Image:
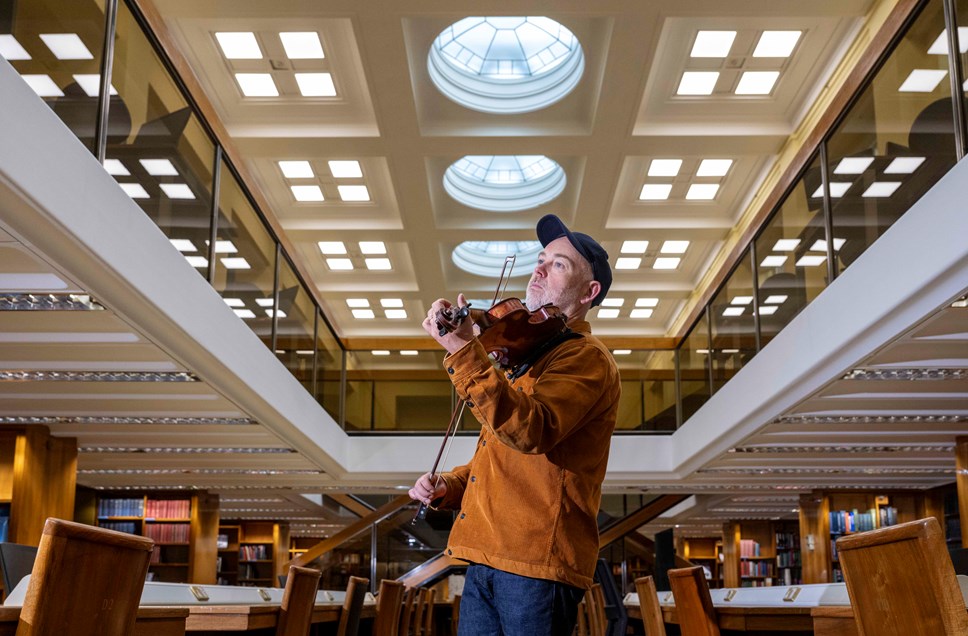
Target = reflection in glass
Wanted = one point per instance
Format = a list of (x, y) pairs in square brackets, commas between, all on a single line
[(648, 400), (795, 231), (694, 368), (57, 46), (733, 324), (350, 558), (157, 149), (329, 368), (245, 263), (895, 142), (294, 326), (401, 546)]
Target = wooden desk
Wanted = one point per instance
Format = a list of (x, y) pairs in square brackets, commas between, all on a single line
[(151, 621), (789, 620), (834, 621), (206, 619)]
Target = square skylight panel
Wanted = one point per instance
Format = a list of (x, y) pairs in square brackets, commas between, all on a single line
[(646, 302), (733, 311), (613, 302), (134, 190), (239, 45), (115, 168), (621, 352), (332, 247), (635, 247), (272, 312), (904, 165), (43, 85), (197, 261), (607, 312), (353, 192), (236, 262), (674, 247), (777, 299), (396, 314), (364, 314), (316, 84), (741, 300), (776, 43), (881, 189), (159, 167), (768, 310), (339, 264), (296, 169), (302, 45), (234, 302), (11, 50), (664, 167), (409, 352), (702, 191), (265, 302), (712, 44), (257, 84), (183, 245), (90, 83), (345, 169), (224, 247), (773, 261), (641, 313), (922, 81), (785, 245), (714, 167), (177, 191), (811, 260), (357, 302), (666, 262), (66, 46), (373, 247), (378, 263), (697, 83), (940, 45), (837, 190), (655, 192), (307, 193), (627, 262), (391, 302), (380, 352), (853, 165), (244, 313), (757, 82), (821, 245)]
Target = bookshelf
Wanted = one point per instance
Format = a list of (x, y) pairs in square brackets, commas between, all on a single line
[(952, 520), (851, 513), (252, 553), (705, 552), (757, 554), (227, 560), (789, 570)]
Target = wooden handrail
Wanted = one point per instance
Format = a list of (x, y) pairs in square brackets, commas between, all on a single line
[(639, 518), (429, 569)]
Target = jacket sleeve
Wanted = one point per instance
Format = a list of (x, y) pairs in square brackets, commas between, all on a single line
[(456, 481), (575, 382)]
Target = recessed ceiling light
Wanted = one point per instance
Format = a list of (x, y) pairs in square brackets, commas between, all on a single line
[(627, 262), (777, 299), (183, 245), (409, 352), (239, 45), (197, 261), (257, 84), (224, 247), (646, 302), (378, 263), (357, 302), (345, 169), (621, 352), (674, 247), (302, 45), (853, 165), (697, 83), (236, 262), (296, 169), (837, 190), (741, 300), (66, 46), (43, 85), (714, 167), (786, 245), (391, 302), (613, 302), (339, 264), (373, 247), (712, 44), (353, 192), (307, 193), (635, 247), (90, 83), (702, 191), (655, 191), (364, 314), (316, 84), (332, 247), (757, 82), (768, 310), (640, 313), (904, 165), (881, 189), (664, 167), (380, 352), (134, 190), (940, 45), (396, 314), (265, 302), (116, 168), (811, 260), (666, 262), (821, 245), (773, 261), (11, 50), (244, 313), (776, 43), (234, 302), (159, 167), (733, 311), (922, 80), (272, 312), (607, 313), (177, 191)]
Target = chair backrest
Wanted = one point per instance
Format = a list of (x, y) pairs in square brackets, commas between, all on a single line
[(87, 578), (649, 606), (388, 605), (581, 629), (901, 581), (349, 618), (418, 611), (406, 612), (427, 628), (455, 614), (694, 606), (595, 600), (16, 561), (298, 599)]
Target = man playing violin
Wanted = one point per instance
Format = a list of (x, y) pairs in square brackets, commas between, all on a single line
[(529, 497)]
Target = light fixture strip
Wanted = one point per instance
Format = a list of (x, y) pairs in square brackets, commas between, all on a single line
[(153, 421), (96, 376), (185, 450), (907, 374), (48, 302)]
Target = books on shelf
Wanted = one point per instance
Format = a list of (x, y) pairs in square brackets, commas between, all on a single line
[(121, 526), (168, 509), (168, 532), (222, 542), (254, 553), (755, 568), (749, 548), (121, 507), (847, 521)]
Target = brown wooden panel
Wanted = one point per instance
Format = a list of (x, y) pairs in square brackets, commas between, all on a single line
[(732, 531), (961, 472), (815, 531), (203, 538)]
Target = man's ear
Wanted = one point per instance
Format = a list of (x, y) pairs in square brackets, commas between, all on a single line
[(593, 288)]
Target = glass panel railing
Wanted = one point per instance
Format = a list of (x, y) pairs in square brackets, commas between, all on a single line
[(329, 369), (401, 545), (648, 402), (165, 161), (786, 282), (295, 323), (733, 324), (694, 387), (57, 47), (350, 558)]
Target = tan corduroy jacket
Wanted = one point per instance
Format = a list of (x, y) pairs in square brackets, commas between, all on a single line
[(529, 497)]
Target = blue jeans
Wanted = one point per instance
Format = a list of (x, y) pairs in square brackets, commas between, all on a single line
[(498, 603)]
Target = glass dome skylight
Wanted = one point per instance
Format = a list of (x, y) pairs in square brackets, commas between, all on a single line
[(486, 258), (506, 65), (504, 183)]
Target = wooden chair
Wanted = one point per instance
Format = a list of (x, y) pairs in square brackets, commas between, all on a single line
[(901, 581), (649, 606), (581, 627), (454, 614), (406, 612), (298, 599), (418, 612), (349, 618), (595, 600), (694, 606), (388, 605), (86, 581), (427, 628)]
